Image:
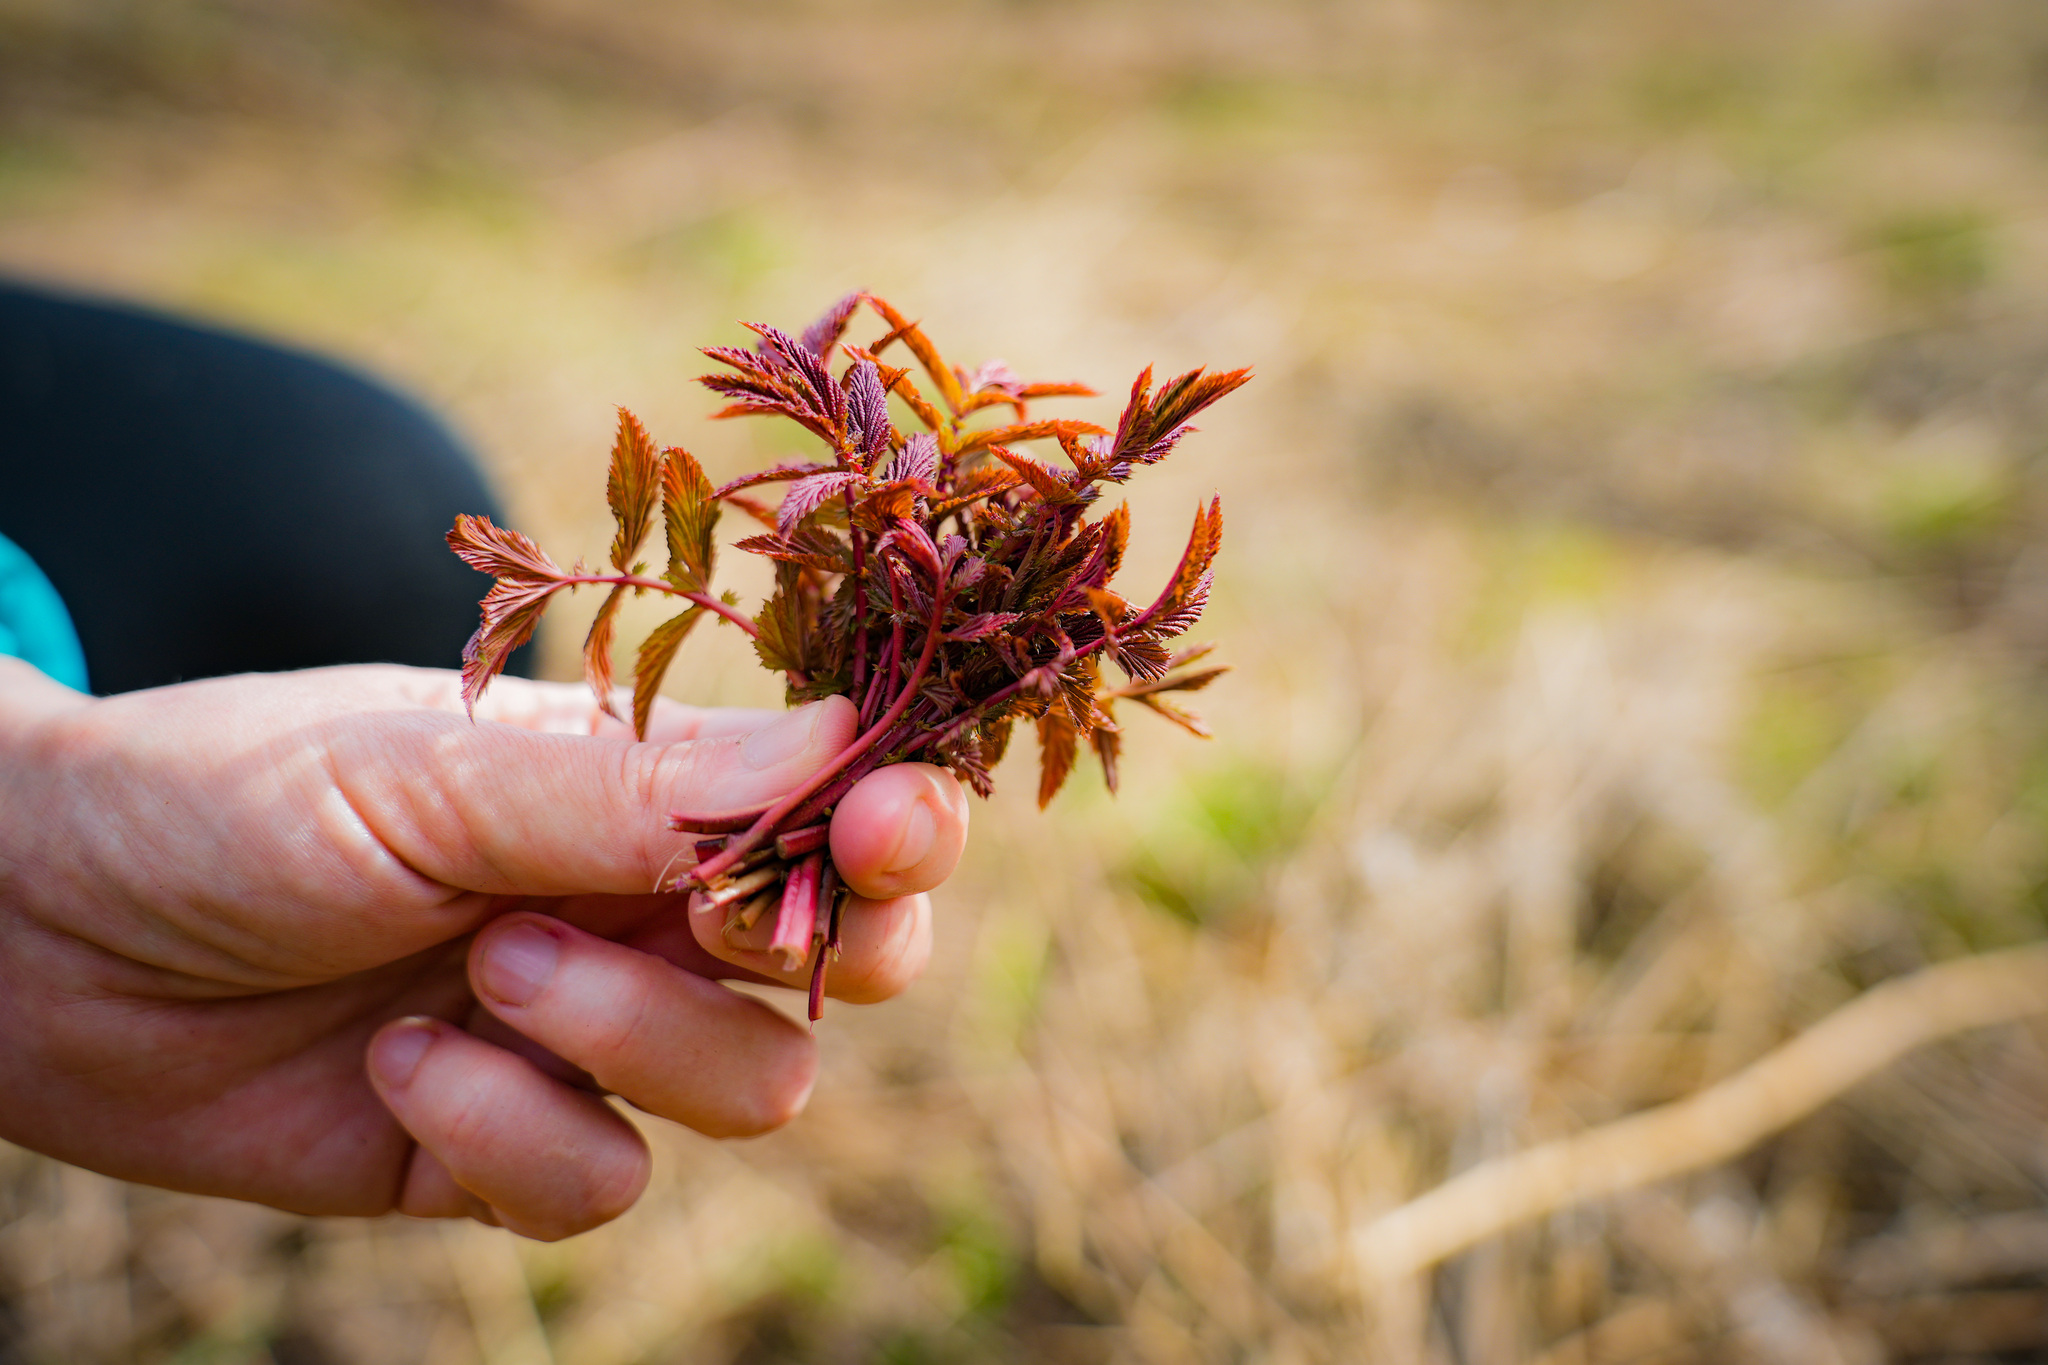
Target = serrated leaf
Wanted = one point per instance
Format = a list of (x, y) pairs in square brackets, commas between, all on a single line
[(1024, 431), (773, 474), (510, 612), (597, 651), (1066, 389), (630, 488), (805, 496), (1190, 577), (919, 459), (781, 643), (501, 553), (810, 547), (867, 414), (912, 541), (1058, 742), (1054, 490), (1108, 743), (821, 336), (982, 626), (921, 347), (691, 516), (983, 482), (995, 740), (525, 579), (1116, 533), (650, 665), (1186, 720)]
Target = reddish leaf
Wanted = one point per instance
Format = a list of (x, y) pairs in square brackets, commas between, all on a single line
[(912, 541), (1108, 742), (868, 430), (809, 547), (806, 495), (597, 651), (1057, 743), (919, 459), (510, 612), (982, 626), (773, 474), (630, 489), (499, 552), (821, 336)]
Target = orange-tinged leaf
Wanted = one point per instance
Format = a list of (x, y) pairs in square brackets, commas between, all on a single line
[(753, 507), (989, 398), (657, 651), (1188, 577), (691, 515), (1058, 742), (630, 488), (1050, 486), (1025, 431), (1067, 389), (1186, 720), (1108, 742), (1178, 682), (597, 650), (921, 347), (979, 483), (782, 642), (1116, 533), (903, 388)]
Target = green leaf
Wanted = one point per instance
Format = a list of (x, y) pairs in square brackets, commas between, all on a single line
[(690, 515), (657, 651)]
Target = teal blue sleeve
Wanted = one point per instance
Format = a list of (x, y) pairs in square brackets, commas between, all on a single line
[(33, 623)]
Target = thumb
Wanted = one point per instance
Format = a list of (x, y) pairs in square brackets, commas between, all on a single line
[(498, 809)]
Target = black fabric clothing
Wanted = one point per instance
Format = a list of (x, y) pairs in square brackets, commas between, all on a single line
[(206, 503)]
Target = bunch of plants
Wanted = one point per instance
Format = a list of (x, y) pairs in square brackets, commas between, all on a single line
[(946, 584)]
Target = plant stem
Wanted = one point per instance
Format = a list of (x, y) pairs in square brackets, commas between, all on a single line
[(704, 600), (741, 844), (860, 596)]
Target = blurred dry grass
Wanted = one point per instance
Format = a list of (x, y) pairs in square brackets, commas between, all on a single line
[(1637, 582)]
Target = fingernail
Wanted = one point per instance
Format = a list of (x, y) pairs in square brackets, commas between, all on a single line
[(919, 830), (396, 1053), (780, 741), (518, 963)]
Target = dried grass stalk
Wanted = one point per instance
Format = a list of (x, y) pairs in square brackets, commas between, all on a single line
[(1856, 1041)]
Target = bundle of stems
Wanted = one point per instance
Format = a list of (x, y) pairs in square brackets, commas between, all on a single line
[(945, 584)]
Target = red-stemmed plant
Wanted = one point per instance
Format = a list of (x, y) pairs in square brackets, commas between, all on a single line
[(945, 584)]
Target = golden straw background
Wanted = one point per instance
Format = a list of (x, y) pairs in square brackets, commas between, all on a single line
[(1634, 568)]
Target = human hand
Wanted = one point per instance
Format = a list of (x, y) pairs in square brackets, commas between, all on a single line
[(217, 899)]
